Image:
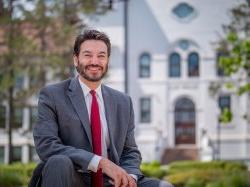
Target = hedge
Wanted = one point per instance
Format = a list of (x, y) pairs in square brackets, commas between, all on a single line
[(153, 169), (208, 174), (16, 175), (181, 174)]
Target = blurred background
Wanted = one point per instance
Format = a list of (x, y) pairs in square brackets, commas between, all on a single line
[(185, 63)]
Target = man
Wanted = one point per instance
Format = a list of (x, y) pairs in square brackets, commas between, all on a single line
[(85, 130)]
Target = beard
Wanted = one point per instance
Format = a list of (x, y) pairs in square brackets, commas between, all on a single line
[(82, 70)]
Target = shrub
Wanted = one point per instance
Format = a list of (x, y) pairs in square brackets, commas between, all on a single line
[(237, 179), (208, 174), (176, 167), (16, 175), (153, 169), (194, 182), (10, 180), (214, 184)]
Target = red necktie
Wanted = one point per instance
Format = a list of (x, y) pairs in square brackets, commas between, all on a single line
[(96, 178)]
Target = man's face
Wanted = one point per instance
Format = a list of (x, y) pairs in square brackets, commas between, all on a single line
[(92, 61)]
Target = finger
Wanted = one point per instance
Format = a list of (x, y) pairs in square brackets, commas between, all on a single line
[(132, 182), (117, 182), (124, 181), (111, 182)]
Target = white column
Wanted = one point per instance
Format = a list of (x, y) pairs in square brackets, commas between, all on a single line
[(6, 154), (25, 153), (26, 118)]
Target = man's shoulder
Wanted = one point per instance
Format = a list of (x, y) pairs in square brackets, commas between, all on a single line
[(113, 92), (116, 95)]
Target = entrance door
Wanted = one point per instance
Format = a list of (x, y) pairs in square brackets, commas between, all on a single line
[(184, 121)]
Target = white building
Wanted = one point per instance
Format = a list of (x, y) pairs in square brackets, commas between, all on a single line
[(172, 65)]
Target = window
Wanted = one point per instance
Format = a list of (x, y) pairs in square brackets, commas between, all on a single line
[(193, 64), (33, 116), (2, 116), (1, 154), (185, 111), (184, 44), (145, 110), (18, 118), (174, 65), (184, 12), (144, 65), (220, 71), (19, 82), (33, 80), (17, 153), (224, 102)]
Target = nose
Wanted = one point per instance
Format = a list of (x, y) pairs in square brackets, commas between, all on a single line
[(94, 60)]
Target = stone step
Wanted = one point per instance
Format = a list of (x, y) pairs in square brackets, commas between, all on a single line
[(178, 154)]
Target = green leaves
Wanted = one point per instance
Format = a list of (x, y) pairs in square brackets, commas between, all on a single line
[(232, 37), (226, 116), (244, 89), (237, 47)]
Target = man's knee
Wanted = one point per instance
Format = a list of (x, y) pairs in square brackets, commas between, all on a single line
[(59, 163), (58, 171), (165, 184), (151, 182)]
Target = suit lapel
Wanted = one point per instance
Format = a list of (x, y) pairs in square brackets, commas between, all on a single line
[(76, 96)]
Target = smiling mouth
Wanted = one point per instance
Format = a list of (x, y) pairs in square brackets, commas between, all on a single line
[(93, 68)]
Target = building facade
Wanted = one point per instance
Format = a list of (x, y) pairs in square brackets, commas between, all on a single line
[(173, 80)]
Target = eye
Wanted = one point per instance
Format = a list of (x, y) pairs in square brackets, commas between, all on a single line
[(101, 56), (87, 55)]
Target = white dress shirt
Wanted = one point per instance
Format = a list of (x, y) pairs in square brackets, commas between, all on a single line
[(93, 165)]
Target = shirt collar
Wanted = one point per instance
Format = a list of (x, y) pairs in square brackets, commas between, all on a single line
[(86, 89)]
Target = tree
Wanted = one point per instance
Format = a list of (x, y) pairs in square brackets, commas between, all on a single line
[(236, 46), (15, 48), (36, 45)]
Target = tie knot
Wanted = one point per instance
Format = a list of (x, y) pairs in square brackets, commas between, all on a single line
[(92, 92)]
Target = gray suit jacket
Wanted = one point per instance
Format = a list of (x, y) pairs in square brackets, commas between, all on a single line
[(63, 126)]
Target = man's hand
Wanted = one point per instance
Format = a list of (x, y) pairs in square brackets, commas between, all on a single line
[(120, 178), (132, 182)]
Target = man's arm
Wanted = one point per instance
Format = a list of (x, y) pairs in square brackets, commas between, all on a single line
[(131, 158), (46, 138)]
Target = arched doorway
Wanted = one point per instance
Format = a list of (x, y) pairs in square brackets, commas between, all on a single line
[(184, 116)]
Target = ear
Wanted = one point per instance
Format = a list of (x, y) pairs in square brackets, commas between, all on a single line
[(75, 60)]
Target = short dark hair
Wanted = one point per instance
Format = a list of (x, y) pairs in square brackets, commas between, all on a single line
[(91, 35)]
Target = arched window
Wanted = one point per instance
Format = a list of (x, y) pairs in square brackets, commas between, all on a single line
[(193, 64), (174, 65), (144, 65)]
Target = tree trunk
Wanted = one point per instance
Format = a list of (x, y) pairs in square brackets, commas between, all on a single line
[(248, 111), (10, 116)]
